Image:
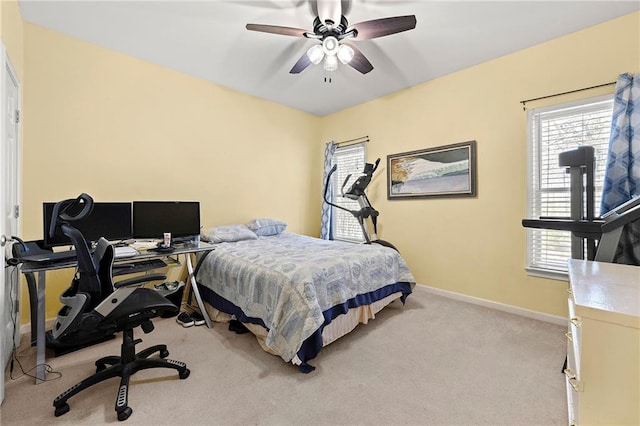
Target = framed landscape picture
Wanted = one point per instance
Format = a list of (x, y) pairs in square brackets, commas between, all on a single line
[(444, 171)]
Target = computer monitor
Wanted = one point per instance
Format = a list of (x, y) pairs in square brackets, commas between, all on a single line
[(109, 220), (151, 219)]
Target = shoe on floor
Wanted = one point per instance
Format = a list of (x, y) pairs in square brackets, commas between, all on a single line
[(197, 317), (185, 320)]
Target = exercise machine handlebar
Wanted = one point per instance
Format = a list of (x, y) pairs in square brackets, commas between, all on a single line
[(357, 193), (326, 188)]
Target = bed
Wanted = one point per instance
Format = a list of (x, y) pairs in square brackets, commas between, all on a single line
[(298, 293)]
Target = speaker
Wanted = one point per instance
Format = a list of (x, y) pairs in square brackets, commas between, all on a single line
[(173, 292)]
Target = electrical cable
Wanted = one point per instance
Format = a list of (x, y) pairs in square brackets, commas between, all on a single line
[(14, 351)]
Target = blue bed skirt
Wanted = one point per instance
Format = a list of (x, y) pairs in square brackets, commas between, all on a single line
[(313, 344)]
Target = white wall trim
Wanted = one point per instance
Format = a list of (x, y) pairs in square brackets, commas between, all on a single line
[(26, 328), (495, 305)]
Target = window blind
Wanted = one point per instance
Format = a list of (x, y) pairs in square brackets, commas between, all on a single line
[(350, 161), (553, 130)]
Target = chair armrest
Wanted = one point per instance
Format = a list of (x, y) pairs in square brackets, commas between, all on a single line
[(140, 279)]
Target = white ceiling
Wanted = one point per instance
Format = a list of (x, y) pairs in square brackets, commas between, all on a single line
[(208, 39)]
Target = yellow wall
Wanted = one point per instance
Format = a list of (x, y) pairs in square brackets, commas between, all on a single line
[(119, 128), (477, 246), (11, 28)]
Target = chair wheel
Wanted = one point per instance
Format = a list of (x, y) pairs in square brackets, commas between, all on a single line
[(184, 373), (124, 414), (164, 354), (63, 409)]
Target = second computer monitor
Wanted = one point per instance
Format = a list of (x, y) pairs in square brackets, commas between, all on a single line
[(151, 219)]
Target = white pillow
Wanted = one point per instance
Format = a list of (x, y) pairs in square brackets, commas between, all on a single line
[(229, 234), (265, 226)]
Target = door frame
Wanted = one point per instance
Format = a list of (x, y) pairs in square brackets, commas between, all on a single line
[(8, 71)]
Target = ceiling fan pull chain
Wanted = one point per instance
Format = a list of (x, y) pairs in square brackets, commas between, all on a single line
[(327, 76)]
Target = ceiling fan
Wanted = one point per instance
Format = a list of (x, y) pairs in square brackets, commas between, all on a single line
[(330, 29)]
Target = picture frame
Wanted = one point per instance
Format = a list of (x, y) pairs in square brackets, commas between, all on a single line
[(443, 171)]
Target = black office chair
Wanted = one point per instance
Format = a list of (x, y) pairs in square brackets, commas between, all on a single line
[(94, 307)]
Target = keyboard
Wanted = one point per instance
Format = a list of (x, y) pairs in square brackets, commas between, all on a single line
[(61, 256), (139, 266), (50, 257)]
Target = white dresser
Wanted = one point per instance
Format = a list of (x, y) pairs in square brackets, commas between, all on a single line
[(603, 350)]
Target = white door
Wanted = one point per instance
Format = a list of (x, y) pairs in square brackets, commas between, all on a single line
[(9, 162)]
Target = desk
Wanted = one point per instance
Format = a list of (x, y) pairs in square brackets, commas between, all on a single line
[(40, 269)]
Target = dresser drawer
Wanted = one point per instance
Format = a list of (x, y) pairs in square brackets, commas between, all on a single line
[(574, 339), (603, 350), (573, 400)]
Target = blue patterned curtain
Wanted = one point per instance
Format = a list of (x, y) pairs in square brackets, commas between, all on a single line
[(622, 173), (326, 228)]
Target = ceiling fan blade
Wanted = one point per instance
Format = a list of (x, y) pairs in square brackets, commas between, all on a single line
[(301, 65), (275, 29), (384, 26), (359, 61)]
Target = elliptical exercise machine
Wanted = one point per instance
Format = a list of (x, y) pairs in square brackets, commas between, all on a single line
[(357, 193)]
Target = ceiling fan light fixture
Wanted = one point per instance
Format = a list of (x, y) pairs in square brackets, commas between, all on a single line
[(345, 54), (330, 45), (315, 54), (330, 63)]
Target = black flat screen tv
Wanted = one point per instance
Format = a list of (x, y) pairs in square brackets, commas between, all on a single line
[(109, 220), (151, 219)]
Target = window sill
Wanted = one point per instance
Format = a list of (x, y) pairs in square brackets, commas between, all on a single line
[(346, 240), (547, 273)]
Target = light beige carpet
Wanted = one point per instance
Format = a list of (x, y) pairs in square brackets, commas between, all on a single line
[(433, 361)]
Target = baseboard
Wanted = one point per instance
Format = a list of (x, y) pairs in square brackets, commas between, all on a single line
[(495, 305), (26, 328)]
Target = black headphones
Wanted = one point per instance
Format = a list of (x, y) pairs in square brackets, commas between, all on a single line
[(14, 261)]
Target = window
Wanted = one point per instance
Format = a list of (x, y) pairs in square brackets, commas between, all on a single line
[(350, 160), (553, 130)]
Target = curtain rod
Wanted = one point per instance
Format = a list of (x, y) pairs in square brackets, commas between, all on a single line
[(564, 93), (361, 139)]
